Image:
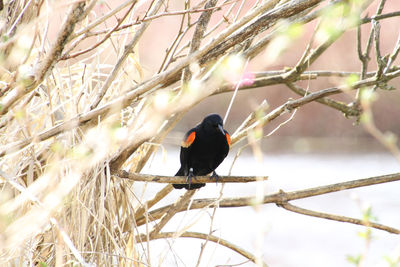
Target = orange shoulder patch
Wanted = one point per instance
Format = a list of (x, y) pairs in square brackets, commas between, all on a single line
[(189, 140), (228, 139)]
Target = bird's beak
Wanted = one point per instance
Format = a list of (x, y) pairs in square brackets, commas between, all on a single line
[(221, 129)]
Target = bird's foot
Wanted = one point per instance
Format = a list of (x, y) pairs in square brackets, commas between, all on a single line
[(216, 176), (189, 178)]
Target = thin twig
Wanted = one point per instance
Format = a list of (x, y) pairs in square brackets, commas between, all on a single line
[(166, 128), (198, 36), (393, 55), (210, 232), (150, 203), (269, 17), (160, 15), (347, 110), (380, 17), (228, 110), (241, 149), (176, 207), (253, 117), (105, 38), (174, 45), (377, 34), (128, 49), (101, 19)]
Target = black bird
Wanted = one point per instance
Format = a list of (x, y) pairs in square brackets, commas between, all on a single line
[(202, 150)]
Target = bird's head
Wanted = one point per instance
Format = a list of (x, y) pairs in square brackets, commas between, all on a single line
[(213, 122)]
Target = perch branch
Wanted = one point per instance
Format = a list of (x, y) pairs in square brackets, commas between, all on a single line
[(182, 179)]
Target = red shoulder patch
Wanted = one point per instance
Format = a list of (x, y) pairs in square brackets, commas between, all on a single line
[(189, 139), (228, 139)]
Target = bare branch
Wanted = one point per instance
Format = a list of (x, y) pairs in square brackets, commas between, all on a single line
[(280, 196), (380, 17), (338, 218), (182, 179), (292, 104), (364, 57), (347, 110), (211, 238), (270, 17), (393, 55)]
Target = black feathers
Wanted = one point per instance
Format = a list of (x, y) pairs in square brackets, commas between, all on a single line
[(202, 150)]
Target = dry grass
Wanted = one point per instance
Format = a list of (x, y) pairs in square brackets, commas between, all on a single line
[(77, 106)]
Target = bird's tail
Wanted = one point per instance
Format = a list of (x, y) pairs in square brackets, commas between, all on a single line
[(186, 186)]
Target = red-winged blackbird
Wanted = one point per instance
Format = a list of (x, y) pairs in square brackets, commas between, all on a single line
[(202, 150)]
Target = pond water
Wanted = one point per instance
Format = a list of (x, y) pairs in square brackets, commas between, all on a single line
[(281, 237)]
